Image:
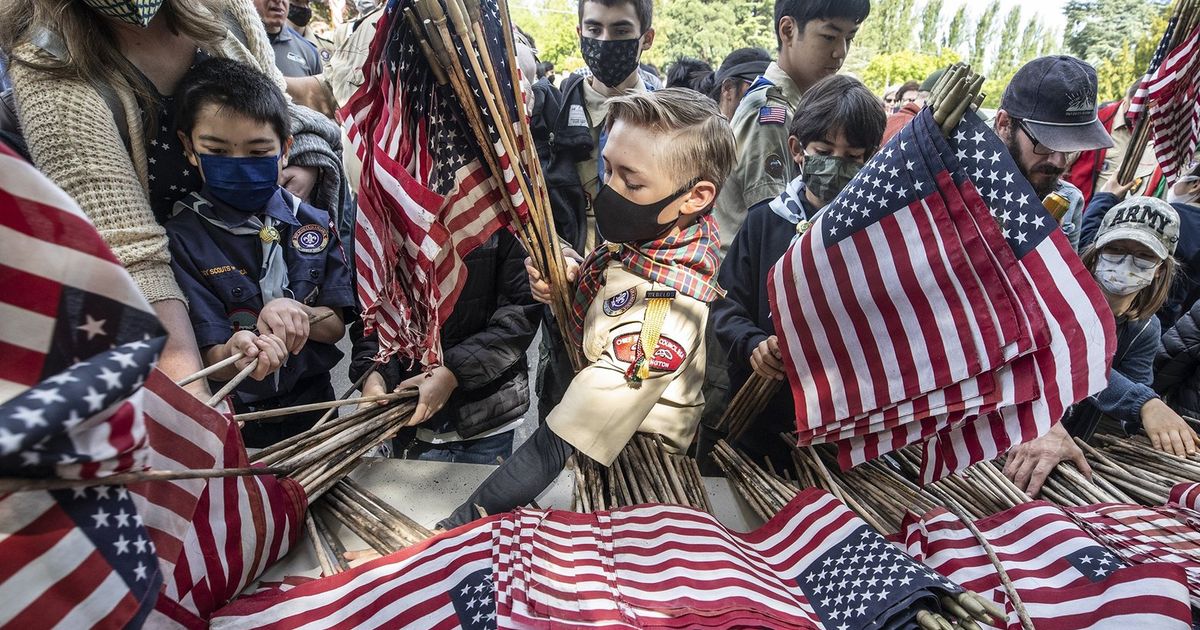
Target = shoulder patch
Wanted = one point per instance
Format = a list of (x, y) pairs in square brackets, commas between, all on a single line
[(620, 303), (772, 115), (310, 239), (668, 357), (576, 116), (774, 165)]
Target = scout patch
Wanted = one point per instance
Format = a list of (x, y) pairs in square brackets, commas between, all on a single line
[(243, 319), (576, 117), (668, 357), (618, 304), (774, 165), (772, 115), (310, 239)]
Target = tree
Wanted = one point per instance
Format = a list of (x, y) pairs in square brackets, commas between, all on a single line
[(1098, 30), (1006, 58), (983, 34), (1031, 41), (889, 28), (552, 26), (957, 35), (904, 65), (931, 22), (710, 29)]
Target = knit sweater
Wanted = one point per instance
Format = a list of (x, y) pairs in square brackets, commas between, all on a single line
[(74, 140)]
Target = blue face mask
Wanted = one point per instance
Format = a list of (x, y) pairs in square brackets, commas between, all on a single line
[(243, 183)]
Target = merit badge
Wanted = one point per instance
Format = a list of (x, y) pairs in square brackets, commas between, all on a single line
[(618, 304), (668, 357), (243, 319), (310, 239), (772, 115)]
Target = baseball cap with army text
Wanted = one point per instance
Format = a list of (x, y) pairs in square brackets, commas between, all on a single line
[(1056, 98), (1146, 220)]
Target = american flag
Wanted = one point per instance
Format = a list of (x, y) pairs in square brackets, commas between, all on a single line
[(1173, 97), (1064, 577), (78, 340), (1145, 535), (427, 197), (1186, 495), (935, 291), (813, 565), (1138, 105), (214, 536)]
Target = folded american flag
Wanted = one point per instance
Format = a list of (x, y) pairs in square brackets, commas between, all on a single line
[(814, 565), (936, 300), (77, 339), (1065, 578)]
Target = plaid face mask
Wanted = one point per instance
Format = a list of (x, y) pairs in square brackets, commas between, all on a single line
[(136, 12)]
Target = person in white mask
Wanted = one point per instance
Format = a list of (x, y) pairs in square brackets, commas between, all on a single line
[(1132, 259), (1186, 188)]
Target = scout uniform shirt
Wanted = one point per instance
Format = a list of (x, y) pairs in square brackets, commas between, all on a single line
[(602, 410), (760, 127), (219, 274)]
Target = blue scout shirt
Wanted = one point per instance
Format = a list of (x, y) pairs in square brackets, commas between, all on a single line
[(219, 273)]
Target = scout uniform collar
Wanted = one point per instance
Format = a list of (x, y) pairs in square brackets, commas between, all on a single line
[(282, 208), (792, 206), (788, 91)]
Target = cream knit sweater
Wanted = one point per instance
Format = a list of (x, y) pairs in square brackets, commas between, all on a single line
[(75, 142)]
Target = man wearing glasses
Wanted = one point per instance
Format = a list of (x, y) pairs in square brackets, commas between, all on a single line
[(1047, 114)]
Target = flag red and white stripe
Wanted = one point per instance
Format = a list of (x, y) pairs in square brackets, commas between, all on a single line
[(1174, 107)]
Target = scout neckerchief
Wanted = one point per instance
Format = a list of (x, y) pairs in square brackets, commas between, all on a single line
[(686, 263), (273, 277)]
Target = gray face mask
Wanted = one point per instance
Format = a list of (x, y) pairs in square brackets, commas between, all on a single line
[(136, 12), (826, 175)]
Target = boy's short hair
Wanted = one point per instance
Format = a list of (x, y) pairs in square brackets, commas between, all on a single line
[(805, 11), (702, 144), (234, 86), (843, 103), (643, 8)]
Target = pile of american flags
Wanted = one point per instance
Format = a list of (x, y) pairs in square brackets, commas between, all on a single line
[(936, 301), (815, 565)]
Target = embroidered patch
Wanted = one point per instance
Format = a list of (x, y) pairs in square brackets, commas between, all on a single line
[(774, 165), (243, 319), (310, 239), (669, 356), (620, 303), (772, 115), (576, 117)]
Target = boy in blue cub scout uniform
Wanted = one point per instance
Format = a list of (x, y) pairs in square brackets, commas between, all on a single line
[(256, 263)]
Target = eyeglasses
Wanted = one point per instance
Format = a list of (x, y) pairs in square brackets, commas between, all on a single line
[(1118, 257), (1038, 148)]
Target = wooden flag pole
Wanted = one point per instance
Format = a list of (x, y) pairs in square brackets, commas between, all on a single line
[(332, 404)]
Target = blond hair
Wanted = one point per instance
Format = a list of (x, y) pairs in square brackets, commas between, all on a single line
[(1149, 299), (702, 144)]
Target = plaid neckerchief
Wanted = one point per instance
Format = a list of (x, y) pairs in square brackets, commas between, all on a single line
[(687, 263)]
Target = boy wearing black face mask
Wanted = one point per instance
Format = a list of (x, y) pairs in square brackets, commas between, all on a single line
[(641, 299), (612, 36), (255, 262), (838, 127)]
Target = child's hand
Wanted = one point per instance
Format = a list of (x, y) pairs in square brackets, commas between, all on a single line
[(268, 349), (767, 360), (1168, 431), (434, 390), (375, 386), (287, 319), (539, 287)]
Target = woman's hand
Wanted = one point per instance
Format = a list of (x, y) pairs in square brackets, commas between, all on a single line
[(299, 180), (767, 360), (1168, 432), (375, 386), (1030, 463), (434, 389), (539, 287)]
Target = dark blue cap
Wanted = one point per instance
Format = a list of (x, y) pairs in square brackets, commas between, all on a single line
[(1056, 97)]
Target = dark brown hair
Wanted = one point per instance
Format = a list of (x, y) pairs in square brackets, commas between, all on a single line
[(839, 102), (643, 8)]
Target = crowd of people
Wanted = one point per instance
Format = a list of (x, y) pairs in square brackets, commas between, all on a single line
[(200, 138)]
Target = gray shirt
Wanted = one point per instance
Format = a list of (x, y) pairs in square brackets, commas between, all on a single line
[(294, 55)]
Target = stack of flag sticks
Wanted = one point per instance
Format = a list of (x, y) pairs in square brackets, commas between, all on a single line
[(376, 522), (645, 472), (747, 404)]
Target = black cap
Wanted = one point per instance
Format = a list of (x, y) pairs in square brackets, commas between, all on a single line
[(1056, 97), (932, 80)]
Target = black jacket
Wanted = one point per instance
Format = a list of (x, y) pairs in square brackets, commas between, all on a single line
[(742, 319), (1177, 366), (569, 144), (484, 342)]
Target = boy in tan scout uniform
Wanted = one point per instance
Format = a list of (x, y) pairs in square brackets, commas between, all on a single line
[(648, 286)]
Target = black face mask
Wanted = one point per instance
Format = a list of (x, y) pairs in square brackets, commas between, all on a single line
[(611, 61), (623, 221), (300, 16)]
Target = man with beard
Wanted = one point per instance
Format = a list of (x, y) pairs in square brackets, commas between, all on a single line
[(1047, 113)]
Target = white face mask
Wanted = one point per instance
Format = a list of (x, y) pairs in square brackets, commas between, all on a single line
[(1190, 198), (1124, 274)]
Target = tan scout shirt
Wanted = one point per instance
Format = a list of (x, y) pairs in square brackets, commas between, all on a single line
[(344, 74), (762, 169), (601, 410)]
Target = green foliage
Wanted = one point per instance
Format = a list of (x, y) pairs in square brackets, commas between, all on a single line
[(931, 23), (889, 28), (552, 24), (710, 29), (1010, 36), (1032, 41), (905, 65), (958, 34), (983, 34), (1098, 30)]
